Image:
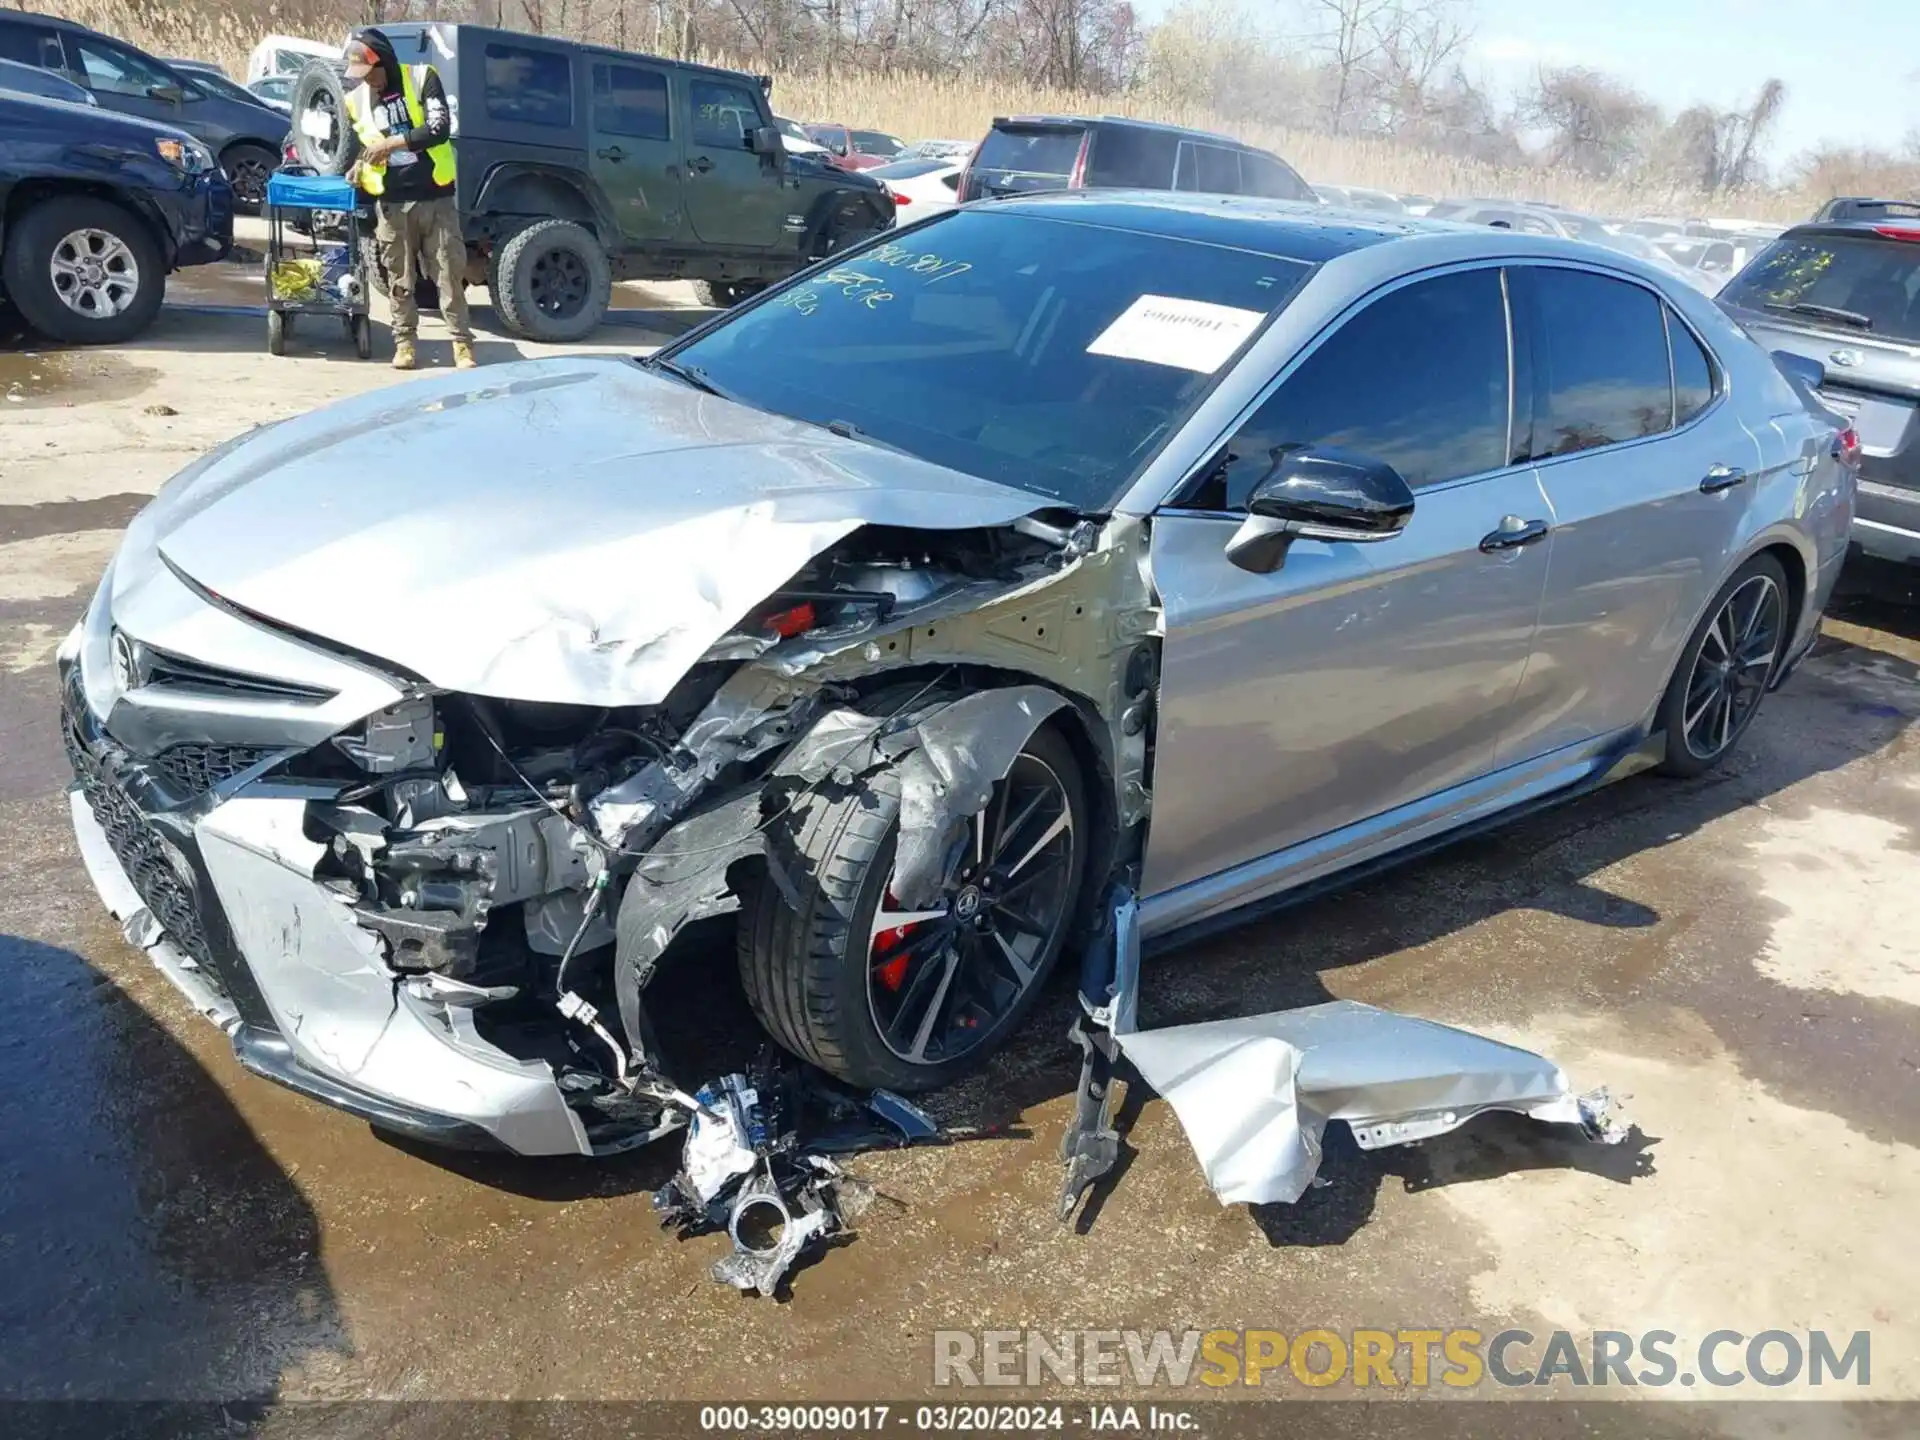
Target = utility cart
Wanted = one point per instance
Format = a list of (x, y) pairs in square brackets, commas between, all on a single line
[(324, 272)]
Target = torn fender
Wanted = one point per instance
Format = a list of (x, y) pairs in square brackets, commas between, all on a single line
[(1255, 1094), (960, 752)]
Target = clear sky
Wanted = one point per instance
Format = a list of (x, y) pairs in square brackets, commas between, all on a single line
[(1852, 67)]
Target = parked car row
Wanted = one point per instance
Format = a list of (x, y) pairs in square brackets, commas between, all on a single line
[(241, 130)]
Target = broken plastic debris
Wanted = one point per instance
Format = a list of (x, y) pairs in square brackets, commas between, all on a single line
[(1255, 1094)]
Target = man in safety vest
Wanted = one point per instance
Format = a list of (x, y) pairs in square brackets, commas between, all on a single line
[(400, 114)]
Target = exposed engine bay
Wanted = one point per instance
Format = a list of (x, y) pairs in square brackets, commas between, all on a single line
[(492, 846)]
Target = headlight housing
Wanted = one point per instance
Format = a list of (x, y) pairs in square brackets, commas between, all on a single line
[(189, 157)]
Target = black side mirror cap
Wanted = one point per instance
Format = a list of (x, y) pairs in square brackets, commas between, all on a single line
[(1319, 494), (170, 94)]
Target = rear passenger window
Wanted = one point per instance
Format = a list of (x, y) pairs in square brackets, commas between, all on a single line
[(630, 101), (1208, 169), (30, 46), (1417, 379), (1601, 372), (528, 87), (1692, 372), (1133, 158), (1264, 175)]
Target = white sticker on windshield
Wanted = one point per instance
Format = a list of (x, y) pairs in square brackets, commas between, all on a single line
[(1187, 334)]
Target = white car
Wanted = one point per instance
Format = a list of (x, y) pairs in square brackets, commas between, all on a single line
[(795, 140), (921, 187), (287, 55), (938, 150)]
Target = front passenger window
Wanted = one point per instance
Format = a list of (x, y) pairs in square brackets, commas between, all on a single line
[(1417, 379)]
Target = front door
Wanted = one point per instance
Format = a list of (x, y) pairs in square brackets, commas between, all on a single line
[(735, 198), (129, 83), (634, 153), (1648, 513), (1356, 678)]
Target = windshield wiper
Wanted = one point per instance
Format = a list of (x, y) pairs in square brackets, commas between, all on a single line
[(1834, 313), (689, 374), (847, 430)]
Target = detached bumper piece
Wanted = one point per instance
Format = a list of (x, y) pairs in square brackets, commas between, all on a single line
[(1255, 1094)]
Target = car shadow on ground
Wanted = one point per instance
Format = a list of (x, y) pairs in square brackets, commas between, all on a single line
[(154, 1248)]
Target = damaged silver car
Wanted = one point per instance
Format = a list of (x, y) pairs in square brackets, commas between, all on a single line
[(1057, 565)]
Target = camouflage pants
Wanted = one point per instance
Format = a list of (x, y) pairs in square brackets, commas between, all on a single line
[(424, 234)]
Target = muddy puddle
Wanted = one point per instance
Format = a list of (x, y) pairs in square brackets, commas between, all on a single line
[(55, 379), (227, 284)]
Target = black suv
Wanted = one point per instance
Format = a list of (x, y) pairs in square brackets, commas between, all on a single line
[(1024, 153), (95, 209), (1845, 295), (579, 166), (242, 133)]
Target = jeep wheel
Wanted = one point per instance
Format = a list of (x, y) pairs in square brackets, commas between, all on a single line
[(725, 294), (83, 271), (551, 281)]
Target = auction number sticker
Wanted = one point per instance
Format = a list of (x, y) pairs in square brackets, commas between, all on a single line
[(1186, 334)]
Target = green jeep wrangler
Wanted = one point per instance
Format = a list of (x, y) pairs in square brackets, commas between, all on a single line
[(580, 166)]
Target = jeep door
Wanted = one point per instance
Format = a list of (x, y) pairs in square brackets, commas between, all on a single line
[(633, 152), (1306, 713), (735, 198)]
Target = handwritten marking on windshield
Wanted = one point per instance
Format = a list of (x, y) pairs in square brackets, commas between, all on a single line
[(926, 264)]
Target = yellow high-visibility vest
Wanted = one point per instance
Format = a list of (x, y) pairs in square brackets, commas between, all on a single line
[(373, 175)]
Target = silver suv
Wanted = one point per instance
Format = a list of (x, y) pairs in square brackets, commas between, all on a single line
[(1846, 295)]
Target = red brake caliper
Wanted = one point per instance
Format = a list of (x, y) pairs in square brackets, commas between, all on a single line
[(891, 972)]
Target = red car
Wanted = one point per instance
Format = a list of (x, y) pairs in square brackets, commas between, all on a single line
[(855, 149)]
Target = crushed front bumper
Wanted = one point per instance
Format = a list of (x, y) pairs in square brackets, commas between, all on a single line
[(219, 889)]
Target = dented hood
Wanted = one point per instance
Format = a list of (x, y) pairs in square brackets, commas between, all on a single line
[(574, 529)]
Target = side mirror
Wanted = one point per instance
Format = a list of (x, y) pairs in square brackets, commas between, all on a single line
[(1321, 494), (170, 94), (765, 140)]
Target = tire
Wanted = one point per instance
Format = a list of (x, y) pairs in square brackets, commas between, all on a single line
[(553, 282), (61, 224), (426, 294), (725, 294), (818, 993), (279, 324), (361, 329), (247, 167), (322, 87), (1698, 689)]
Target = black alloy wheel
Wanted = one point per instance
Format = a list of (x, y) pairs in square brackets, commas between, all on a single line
[(1731, 667)]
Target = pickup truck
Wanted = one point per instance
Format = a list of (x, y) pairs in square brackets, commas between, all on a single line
[(98, 208), (580, 165)]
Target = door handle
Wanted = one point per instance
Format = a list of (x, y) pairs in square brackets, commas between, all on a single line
[(1515, 532), (1722, 477), (700, 164), (611, 152)]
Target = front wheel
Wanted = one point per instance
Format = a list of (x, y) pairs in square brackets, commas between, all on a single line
[(83, 271), (278, 324), (1724, 672), (911, 999), (248, 168)]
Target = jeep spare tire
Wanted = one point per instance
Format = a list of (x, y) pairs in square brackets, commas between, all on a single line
[(551, 281), (323, 138)]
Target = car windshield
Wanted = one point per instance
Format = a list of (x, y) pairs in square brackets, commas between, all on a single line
[(1030, 152), (1041, 353), (1861, 284)]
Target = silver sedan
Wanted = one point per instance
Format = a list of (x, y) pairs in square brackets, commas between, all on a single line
[(1079, 565)]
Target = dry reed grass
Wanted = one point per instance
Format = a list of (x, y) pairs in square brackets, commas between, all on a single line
[(923, 107)]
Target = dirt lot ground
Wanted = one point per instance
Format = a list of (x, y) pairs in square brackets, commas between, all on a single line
[(1736, 955)]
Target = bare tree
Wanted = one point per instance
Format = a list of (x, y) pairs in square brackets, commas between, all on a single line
[(1595, 124)]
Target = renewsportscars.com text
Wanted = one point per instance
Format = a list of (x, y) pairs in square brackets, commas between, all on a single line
[(1457, 1359)]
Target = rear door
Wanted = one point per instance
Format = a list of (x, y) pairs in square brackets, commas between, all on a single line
[(734, 198), (1850, 299), (1356, 679), (1020, 156), (633, 148), (1644, 530), (1132, 157)]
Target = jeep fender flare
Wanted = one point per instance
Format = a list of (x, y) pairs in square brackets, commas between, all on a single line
[(542, 193), (831, 206)]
